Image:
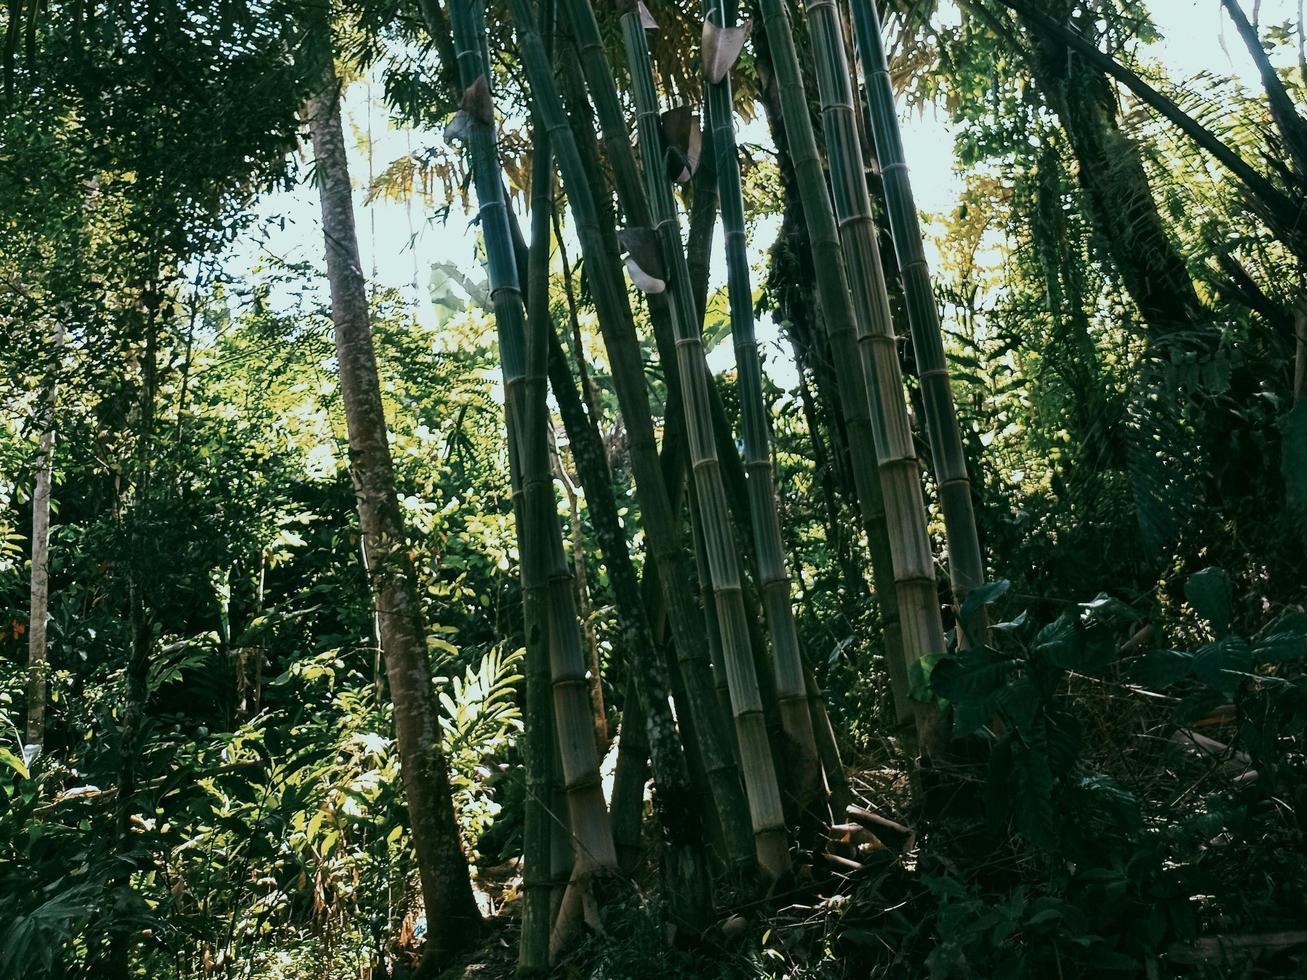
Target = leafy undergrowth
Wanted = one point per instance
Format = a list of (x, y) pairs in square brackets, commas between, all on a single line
[(1112, 809)]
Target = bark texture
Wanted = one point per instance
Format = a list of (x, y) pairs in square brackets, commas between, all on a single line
[(452, 916)]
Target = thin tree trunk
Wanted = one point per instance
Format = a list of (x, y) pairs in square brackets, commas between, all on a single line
[(1300, 357), (38, 618), (1118, 194), (452, 916), (1292, 127)]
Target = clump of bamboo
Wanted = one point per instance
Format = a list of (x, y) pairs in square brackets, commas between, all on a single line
[(662, 261), (966, 563), (867, 373), (618, 330)]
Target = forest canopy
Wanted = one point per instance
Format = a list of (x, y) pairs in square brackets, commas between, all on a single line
[(789, 489)]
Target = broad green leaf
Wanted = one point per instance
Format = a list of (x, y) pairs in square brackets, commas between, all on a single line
[(1161, 668), (1062, 642), (1286, 640), (1209, 593), (14, 763), (1293, 452), (978, 599), (970, 676)]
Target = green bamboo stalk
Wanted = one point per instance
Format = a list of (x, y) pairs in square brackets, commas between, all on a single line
[(877, 430), (533, 947), (684, 865), (966, 563), (758, 766), (544, 566), (618, 330), (773, 573), (538, 736), (852, 448)]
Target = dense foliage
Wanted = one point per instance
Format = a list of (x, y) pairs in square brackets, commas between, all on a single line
[(1101, 772)]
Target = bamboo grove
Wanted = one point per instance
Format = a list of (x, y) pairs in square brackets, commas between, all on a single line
[(670, 144), (852, 706)]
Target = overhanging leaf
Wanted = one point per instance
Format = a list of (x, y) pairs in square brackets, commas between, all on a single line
[(1062, 642)]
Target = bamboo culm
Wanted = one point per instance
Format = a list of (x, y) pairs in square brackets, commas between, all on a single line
[(896, 457), (966, 563), (544, 566), (880, 483), (757, 764), (773, 574)]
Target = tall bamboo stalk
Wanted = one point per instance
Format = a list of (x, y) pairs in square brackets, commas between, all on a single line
[(877, 426), (773, 573), (618, 330), (683, 856), (538, 751), (896, 456), (544, 566), (636, 206), (758, 766), (533, 948), (966, 563), (853, 453)]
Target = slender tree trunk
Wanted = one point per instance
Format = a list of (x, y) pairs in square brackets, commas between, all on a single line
[(452, 916), (1118, 195), (1300, 357), (1290, 123), (39, 609)]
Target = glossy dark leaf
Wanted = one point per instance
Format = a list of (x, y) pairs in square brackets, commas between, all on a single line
[(1209, 593)]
